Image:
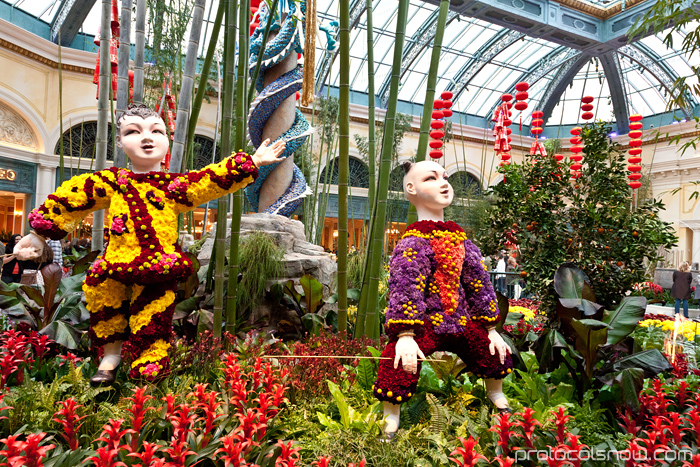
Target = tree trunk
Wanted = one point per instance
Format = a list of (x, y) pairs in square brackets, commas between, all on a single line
[(123, 72), (98, 217), (139, 51), (222, 209), (343, 164), (241, 114), (371, 322), (430, 93), (185, 100)]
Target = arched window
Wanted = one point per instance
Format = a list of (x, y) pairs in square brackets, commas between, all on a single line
[(359, 173), (203, 147), (80, 141), (396, 178), (465, 185)]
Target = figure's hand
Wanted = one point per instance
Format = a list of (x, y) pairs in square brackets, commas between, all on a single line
[(407, 351), (497, 344), (29, 247), (269, 154)]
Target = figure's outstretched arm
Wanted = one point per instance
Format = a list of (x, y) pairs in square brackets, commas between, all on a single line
[(72, 202)]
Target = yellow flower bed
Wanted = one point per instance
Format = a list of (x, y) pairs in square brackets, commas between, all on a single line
[(687, 329), (528, 313)]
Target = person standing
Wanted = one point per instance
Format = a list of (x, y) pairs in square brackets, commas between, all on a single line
[(680, 290), (501, 268), (11, 268)]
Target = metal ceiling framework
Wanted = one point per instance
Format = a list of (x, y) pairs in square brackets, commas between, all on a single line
[(69, 19)]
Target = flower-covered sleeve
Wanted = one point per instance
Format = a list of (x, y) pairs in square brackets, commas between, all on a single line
[(478, 290), (71, 202), (409, 271), (213, 181)]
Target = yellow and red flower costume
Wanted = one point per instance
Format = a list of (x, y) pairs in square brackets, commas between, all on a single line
[(440, 289), (130, 290)]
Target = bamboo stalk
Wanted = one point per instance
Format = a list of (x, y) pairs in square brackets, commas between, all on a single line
[(186, 85), (105, 84), (204, 77), (371, 321), (241, 112), (222, 208), (216, 134), (343, 164), (372, 128), (123, 72), (430, 93), (139, 50)]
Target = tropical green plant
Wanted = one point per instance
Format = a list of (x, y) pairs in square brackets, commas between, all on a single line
[(591, 340), (260, 262), (591, 221), (306, 303), (54, 309)]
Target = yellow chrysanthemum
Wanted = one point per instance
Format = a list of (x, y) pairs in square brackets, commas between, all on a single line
[(111, 326), (529, 314), (143, 317), (156, 352), (687, 329)]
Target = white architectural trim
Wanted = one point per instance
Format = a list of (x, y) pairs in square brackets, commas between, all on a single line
[(25, 109)]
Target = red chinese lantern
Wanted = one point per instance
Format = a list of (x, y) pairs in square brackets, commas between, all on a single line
[(436, 134), (576, 130), (537, 122), (436, 154), (520, 105), (576, 157), (536, 130), (635, 118), (537, 114), (446, 95), (634, 160), (636, 125), (505, 156), (509, 105), (635, 185), (507, 122), (522, 86), (437, 104), (587, 99), (508, 131), (635, 134), (635, 143), (558, 157), (634, 176), (446, 104), (437, 124), (575, 140), (635, 151), (435, 144), (447, 113), (521, 96), (576, 166), (635, 168), (587, 115), (575, 175), (587, 107), (438, 114), (507, 97)]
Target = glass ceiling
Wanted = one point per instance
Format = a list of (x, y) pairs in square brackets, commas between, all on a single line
[(645, 68)]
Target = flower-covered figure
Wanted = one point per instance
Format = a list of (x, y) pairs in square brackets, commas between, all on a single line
[(440, 299), (130, 290)]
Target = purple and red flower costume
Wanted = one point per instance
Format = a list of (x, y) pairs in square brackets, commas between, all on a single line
[(440, 289)]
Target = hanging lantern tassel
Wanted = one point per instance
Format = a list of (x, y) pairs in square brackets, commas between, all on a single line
[(308, 83), (636, 153)]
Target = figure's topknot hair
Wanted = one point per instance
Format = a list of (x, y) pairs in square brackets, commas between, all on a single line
[(407, 166), (137, 110)]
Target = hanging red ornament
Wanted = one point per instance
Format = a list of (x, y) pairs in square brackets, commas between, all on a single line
[(446, 104), (504, 163), (634, 176), (537, 122), (576, 149), (437, 104), (436, 134), (587, 115), (635, 118), (447, 113), (558, 157), (576, 157), (522, 86), (635, 151), (536, 130), (298, 95), (587, 99), (507, 97), (253, 26), (575, 175), (635, 185), (634, 160), (575, 140), (587, 107), (438, 114), (435, 144), (576, 130), (437, 124), (509, 105), (507, 122), (537, 114), (508, 131), (635, 168), (520, 105), (521, 96), (446, 95), (505, 156), (635, 143), (636, 125), (576, 166), (436, 154), (635, 134)]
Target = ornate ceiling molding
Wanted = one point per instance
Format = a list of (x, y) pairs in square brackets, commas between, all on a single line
[(14, 129)]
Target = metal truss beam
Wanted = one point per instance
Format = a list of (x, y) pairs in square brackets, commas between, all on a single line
[(356, 9), (561, 80), (491, 49), (613, 75), (421, 39), (69, 19)]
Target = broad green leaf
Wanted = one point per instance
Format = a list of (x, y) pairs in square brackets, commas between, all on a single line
[(313, 293), (503, 307), (586, 307), (185, 307), (571, 282), (623, 320), (313, 323), (515, 353), (71, 284), (33, 294), (19, 313), (52, 275), (291, 291), (63, 333), (588, 340), (631, 381), (83, 263), (341, 403), (512, 319), (366, 373), (593, 324), (651, 361), (205, 321), (374, 352), (68, 308), (544, 347)]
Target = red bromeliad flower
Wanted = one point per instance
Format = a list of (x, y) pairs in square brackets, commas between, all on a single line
[(673, 426), (322, 462), (629, 422), (560, 419), (34, 454), (147, 457), (14, 447), (178, 452), (112, 434), (69, 420), (69, 358), (182, 420), (40, 344), (693, 417), (683, 395), (232, 450), (106, 458), (557, 459), (466, 452), (504, 430), (289, 455), (576, 448), (137, 412), (528, 424), (206, 402), (250, 426), (361, 464), (504, 461), (169, 400), (695, 463)]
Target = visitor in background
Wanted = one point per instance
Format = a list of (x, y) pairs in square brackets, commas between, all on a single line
[(680, 290), (500, 268), (11, 269), (514, 288), (488, 262), (57, 249)]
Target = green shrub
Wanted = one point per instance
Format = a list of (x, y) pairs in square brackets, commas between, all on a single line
[(260, 261)]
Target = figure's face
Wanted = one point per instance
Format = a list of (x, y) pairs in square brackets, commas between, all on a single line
[(145, 141), (427, 185)]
